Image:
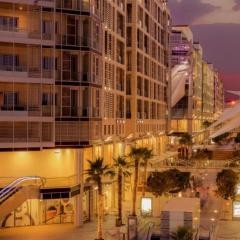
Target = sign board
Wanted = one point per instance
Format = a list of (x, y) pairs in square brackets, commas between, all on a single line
[(236, 209)]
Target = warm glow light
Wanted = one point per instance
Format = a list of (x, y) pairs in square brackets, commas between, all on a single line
[(57, 151), (236, 209), (233, 102), (146, 206), (179, 194)]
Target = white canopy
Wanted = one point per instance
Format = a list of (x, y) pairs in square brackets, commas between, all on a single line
[(179, 78), (227, 115), (237, 93), (231, 125)]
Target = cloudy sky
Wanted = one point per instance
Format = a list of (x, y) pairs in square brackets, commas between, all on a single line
[(216, 25)]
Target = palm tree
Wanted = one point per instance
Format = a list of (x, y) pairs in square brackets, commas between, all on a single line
[(135, 155), (97, 170), (121, 166), (146, 156), (182, 233)]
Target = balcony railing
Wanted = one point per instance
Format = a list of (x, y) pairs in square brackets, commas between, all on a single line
[(77, 111), (83, 6), (70, 4), (24, 33), (33, 72), (78, 41), (19, 109), (13, 68), (85, 77)]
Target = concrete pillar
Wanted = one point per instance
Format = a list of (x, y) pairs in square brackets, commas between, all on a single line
[(78, 219)]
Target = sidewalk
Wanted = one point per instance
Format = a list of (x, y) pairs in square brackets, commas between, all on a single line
[(57, 232)]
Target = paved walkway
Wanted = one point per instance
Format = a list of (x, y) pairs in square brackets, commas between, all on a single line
[(57, 232), (228, 230)]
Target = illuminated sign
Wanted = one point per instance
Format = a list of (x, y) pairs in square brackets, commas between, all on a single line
[(236, 209), (238, 189), (146, 206)]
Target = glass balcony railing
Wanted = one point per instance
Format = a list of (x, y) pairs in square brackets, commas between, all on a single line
[(33, 72), (24, 33), (86, 77)]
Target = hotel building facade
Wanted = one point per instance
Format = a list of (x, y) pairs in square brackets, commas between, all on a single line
[(197, 90), (79, 79)]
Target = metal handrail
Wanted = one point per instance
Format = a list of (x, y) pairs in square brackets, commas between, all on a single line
[(13, 185)]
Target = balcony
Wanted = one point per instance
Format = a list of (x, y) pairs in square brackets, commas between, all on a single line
[(19, 34), (81, 77), (25, 132), (24, 71), (26, 100), (20, 110), (77, 133), (76, 5), (78, 41)]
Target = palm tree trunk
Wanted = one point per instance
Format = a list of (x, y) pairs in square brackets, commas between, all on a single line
[(120, 197), (144, 180), (100, 211), (136, 164)]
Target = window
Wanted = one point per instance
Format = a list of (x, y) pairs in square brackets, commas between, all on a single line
[(9, 60), (47, 63), (47, 26), (10, 99), (129, 13), (8, 23), (46, 98)]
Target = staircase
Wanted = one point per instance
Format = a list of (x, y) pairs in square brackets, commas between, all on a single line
[(223, 154), (16, 193)]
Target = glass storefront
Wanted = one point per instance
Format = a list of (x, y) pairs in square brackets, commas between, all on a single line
[(35, 212)]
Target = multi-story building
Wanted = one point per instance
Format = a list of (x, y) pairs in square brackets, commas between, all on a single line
[(148, 26), (195, 85), (182, 67), (79, 79), (218, 95), (208, 92)]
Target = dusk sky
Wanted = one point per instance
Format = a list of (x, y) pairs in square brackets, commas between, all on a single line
[(216, 25)]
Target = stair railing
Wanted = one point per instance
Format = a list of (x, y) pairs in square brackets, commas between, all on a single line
[(13, 186)]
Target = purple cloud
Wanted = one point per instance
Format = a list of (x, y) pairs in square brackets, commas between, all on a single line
[(236, 7), (220, 43), (186, 11)]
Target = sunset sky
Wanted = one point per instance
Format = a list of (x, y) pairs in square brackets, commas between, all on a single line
[(216, 25)]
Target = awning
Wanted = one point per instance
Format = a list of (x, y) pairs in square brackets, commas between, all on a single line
[(237, 93), (228, 114), (231, 125), (179, 78)]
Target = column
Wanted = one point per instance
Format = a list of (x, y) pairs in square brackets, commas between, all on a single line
[(78, 218)]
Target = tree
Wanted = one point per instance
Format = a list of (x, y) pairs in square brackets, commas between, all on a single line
[(186, 141), (237, 138), (96, 172), (146, 156), (227, 181), (206, 124), (121, 165), (218, 139), (156, 184), (180, 181), (170, 181), (182, 233), (136, 154)]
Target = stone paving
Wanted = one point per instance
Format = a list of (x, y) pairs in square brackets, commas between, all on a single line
[(57, 232), (228, 230)]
